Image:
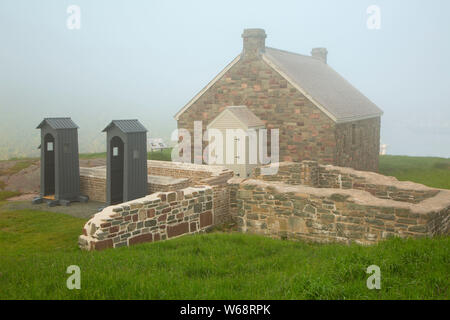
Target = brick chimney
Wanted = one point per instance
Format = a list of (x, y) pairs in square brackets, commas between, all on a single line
[(254, 42), (320, 53)]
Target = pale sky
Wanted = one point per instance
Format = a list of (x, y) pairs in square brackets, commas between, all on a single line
[(147, 59)]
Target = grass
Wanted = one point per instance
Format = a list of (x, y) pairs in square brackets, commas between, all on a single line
[(98, 155), (17, 167), (5, 194), (433, 172), (37, 247), (164, 155)]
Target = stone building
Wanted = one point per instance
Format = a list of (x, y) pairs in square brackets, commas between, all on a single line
[(320, 116)]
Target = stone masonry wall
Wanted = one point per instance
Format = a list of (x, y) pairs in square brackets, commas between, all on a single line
[(93, 183), (310, 173), (155, 185), (358, 144), (159, 216), (294, 173), (324, 214), (198, 175), (380, 186), (304, 200), (195, 173), (93, 187)]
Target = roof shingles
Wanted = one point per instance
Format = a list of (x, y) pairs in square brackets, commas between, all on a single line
[(58, 123), (319, 81)]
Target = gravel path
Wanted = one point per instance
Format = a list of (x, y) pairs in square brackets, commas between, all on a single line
[(76, 209)]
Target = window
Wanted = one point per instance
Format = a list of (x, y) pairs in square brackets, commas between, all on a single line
[(49, 146), (115, 151), (135, 154)]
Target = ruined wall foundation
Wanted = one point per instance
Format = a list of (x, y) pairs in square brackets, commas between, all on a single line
[(303, 201)]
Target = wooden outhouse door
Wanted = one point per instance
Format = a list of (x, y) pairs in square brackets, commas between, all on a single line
[(117, 168), (49, 168)]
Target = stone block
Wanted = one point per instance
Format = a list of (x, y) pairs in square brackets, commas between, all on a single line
[(140, 239), (178, 229)]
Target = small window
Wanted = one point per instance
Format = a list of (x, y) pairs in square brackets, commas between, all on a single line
[(135, 154), (49, 146), (66, 148), (115, 151)]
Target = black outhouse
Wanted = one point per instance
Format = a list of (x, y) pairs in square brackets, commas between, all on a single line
[(60, 169), (126, 164)]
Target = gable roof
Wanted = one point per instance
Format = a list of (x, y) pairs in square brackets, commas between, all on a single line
[(58, 123), (242, 114), (246, 116), (323, 86), (126, 126)]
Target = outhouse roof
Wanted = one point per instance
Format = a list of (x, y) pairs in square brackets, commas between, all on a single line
[(58, 123), (126, 126)]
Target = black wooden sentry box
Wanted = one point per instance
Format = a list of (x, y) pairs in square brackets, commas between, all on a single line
[(126, 164), (60, 169)]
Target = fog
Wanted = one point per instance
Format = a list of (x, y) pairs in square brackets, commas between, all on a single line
[(147, 59)]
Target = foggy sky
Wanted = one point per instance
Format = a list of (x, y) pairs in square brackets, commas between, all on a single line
[(147, 59)]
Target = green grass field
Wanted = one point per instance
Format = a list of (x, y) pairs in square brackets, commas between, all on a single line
[(18, 166), (37, 247), (5, 194), (164, 155), (433, 172)]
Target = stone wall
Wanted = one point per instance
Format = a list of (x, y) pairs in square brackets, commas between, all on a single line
[(310, 173), (189, 199), (194, 172), (159, 216), (358, 144), (325, 214), (380, 186), (161, 183), (294, 173), (214, 176), (93, 186), (304, 201), (93, 183)]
